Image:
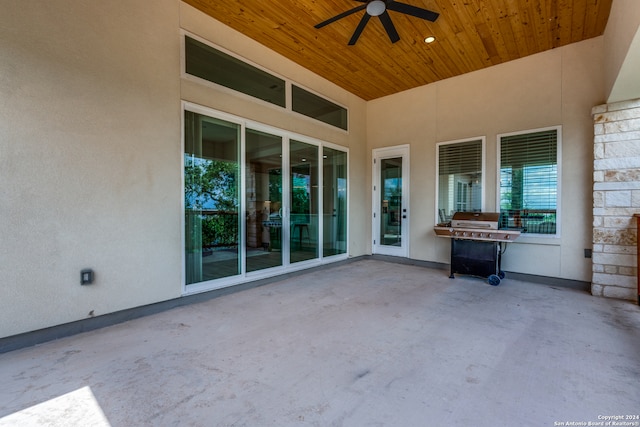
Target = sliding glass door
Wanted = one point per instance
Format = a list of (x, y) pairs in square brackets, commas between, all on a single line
[(263, 172), (334, 202), (256, 201), (211, 205), (303, 201)]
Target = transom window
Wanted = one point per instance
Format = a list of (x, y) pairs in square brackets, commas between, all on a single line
[(206, 62), (202, 60), (529, 179), (316, 107)]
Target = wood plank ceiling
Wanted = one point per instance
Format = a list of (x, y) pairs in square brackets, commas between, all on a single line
[(470, 35)]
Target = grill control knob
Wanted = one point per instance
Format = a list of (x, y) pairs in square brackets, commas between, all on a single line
[(489, 235)]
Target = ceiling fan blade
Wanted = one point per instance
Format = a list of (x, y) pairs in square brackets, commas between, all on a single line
[(413, 11), (388, 25), (342, 15), (358, 31)]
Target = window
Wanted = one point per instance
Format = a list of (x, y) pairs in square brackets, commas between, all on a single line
[(204, 61), (529, 181), (211, 64), (459, 180), (318, 108)]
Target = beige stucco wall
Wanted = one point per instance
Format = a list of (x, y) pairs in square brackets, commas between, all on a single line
[(558, 87), (89, 158), (90, 152)]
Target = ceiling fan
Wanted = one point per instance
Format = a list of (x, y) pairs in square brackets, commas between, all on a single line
[(380, 9)]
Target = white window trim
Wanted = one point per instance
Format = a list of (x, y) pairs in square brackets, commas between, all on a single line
[(483, 197), (535, 237)]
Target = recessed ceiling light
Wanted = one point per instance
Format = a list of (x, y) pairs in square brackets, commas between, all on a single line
[(429, 39)]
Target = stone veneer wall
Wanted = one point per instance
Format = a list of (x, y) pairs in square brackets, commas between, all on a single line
[(616, 198)]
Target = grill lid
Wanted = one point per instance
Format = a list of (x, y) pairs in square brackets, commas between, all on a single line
[(488, 220), (481, 226)]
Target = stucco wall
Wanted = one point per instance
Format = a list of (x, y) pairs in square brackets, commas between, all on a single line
[(89, 158), (558, 87), (90, 152)]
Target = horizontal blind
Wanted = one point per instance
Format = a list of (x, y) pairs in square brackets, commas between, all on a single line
[(529, 179), (539, 148), (459, 178), (460, 158)]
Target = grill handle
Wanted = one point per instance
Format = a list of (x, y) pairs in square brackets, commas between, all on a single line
[(473, 224)]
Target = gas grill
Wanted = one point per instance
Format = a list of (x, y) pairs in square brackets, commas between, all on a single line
[(477, 244)]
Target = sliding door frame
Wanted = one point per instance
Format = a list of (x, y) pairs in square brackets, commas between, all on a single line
[(286, 266)]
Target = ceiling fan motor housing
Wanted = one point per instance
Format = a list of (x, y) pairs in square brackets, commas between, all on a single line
[(376, 7)]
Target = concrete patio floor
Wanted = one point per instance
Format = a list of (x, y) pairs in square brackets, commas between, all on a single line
[(367, 343)]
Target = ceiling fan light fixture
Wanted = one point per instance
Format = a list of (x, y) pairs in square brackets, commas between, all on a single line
[(376, 7)]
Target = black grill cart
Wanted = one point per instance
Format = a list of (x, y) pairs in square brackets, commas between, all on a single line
[(477, 244)]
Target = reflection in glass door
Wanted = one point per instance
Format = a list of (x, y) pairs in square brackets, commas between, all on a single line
[(334, 202), (304, 203), (263, 181), (391, 201), (256, 202), (211, 190)]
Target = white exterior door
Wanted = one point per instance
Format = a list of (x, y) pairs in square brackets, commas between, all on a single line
[(391, 201)]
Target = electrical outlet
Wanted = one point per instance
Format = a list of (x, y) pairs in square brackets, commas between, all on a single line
[(86, 276)]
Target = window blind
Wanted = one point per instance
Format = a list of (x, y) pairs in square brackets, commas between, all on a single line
[(529, 181), (460, 158), (459, 178)]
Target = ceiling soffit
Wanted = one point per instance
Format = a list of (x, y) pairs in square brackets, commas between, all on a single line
[(470, 35)]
